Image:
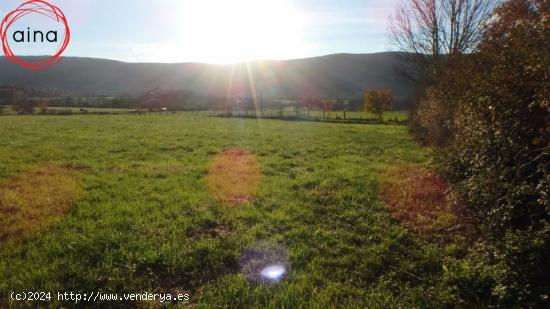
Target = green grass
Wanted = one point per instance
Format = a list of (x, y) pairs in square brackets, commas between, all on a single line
[(146, 222)]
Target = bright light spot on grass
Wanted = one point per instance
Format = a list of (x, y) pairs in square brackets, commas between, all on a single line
[(273, 272)]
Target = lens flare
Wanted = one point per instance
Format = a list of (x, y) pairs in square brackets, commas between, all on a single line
[(273, 272), (265, 263)]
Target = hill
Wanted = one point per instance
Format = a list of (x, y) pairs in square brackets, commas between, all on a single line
[(325, 76)]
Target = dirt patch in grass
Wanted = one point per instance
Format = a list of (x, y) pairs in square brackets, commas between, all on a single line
[(35, 199), (234, 176), (424, 203)]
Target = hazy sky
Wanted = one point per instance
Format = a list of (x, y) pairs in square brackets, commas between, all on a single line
[(218, 31)]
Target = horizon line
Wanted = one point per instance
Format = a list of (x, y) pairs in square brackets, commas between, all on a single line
[(210, 63)]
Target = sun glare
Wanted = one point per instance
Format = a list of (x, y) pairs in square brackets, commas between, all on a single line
[(241, 30)]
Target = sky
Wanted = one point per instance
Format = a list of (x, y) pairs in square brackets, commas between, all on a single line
[(213, 31)]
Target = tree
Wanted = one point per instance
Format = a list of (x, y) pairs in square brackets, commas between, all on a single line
[(23, 105), (432, 32), (356, 104), (378, 101), (249, 104), (328, 104), (42, 106), (6, 94), (312, 103), (69, 102), (309, 103)]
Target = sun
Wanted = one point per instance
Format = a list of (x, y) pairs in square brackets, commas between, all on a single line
[(240, 30)]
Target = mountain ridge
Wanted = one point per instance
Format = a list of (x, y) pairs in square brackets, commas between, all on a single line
[(335, 75)]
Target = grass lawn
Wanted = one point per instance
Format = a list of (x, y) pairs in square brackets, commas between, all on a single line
[(144, 217)]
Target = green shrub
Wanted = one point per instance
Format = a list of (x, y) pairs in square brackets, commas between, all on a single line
[(498, 155)]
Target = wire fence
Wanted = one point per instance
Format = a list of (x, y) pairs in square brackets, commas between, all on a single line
[(395, 117)]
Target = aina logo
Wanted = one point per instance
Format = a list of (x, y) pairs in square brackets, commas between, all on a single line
[(18, 31)]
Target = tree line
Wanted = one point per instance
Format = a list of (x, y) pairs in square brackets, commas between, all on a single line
[(26, 101)]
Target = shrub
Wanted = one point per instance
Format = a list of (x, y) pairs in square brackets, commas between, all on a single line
[(378, 101), (499, 150), (434, 117)]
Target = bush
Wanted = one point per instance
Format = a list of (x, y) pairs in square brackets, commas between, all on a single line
[(499, 151), (434, 117)]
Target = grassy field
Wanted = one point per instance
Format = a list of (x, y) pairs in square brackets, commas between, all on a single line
[(139, 213)]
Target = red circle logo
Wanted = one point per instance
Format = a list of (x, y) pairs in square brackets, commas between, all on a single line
[(34, 7)]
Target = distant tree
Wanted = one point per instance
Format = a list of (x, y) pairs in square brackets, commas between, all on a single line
[(159, 99), (249, 104), (341, 104), (69, 102), (431, 32), (312, 103), (356, 104), (228, 105), (6, 95), (378, 101), (152, 104), (328, 104), (23, 105), (42, 106)]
